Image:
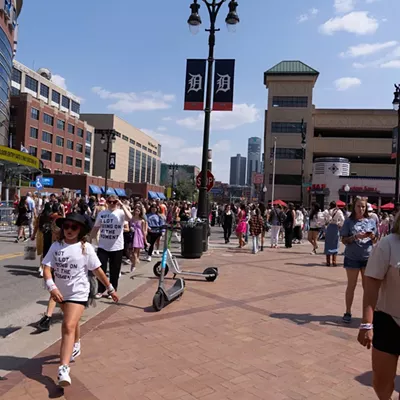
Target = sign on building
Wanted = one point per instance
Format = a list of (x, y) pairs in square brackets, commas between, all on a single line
[(112, 161)]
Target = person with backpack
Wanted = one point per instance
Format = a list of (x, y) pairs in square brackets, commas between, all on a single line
[(276, 218)]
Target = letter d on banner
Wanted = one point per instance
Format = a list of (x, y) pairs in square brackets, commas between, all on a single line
[(194, 85), (223, 85)]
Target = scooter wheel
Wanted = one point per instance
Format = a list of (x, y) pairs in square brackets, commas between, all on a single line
[(157, 269), (158, 300), (212, 272)]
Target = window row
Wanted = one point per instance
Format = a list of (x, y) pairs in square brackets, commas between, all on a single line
[(281, 179), (47, 155), (287, 154), (287, 127), (48, 138), (290, 101)]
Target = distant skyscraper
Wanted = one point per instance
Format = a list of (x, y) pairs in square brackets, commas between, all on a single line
[(238, 170), (253, 157)]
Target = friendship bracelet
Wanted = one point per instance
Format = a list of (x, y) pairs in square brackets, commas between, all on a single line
[(110, 289), (50, 285), (367, 326)]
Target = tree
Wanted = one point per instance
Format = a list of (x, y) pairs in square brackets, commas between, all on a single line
[(185, 190)]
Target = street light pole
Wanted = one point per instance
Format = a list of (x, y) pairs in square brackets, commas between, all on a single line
[(396, 106), (273, 174), (107, 136), (173, 167), (303, 156), (213, 7)]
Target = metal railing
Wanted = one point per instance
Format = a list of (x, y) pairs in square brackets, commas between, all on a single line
[(7, 221)]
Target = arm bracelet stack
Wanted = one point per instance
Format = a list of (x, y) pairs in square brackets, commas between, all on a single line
[(110, 289), (367, 326)]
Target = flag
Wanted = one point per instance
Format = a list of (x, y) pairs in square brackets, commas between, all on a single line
[(195, 84), (24, 149), (224, 76)]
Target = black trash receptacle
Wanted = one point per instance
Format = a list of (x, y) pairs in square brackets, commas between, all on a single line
[(192, 241)]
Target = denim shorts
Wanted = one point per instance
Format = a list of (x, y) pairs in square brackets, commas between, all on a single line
[(354, 264)]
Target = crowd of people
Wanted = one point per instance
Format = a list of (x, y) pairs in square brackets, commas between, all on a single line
[(124, 231)]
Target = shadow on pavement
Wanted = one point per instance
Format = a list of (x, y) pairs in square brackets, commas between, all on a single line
[(4, 332), (23, 270), (33, 369), (330, 320), (366, 380), (322, 264)]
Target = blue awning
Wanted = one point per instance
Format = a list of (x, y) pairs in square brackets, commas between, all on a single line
[(153, 195), (110, 191), (120, 192), (161, 195), (93, 189)]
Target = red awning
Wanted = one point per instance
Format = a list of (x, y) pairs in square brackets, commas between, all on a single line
[(340, 203), (280, 203), (388, 206)]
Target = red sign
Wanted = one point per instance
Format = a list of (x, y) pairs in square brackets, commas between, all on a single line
[(258, 179), (362, 189), (210, 180), (318, 187)]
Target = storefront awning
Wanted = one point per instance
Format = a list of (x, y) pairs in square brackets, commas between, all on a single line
[(121, 192), (93, 189), (152, 195), (161, 195), (18, 162), (110, 191)]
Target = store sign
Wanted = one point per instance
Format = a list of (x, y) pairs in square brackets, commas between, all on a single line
[(18, 157), (318, 187), (361, 189)]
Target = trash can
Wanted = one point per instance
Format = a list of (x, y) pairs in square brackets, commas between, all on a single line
[(192, 240)]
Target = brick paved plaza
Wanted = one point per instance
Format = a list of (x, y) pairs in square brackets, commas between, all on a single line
[(268, 328)]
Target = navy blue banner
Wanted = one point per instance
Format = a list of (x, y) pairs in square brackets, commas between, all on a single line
[(224, 77), (195, 85)]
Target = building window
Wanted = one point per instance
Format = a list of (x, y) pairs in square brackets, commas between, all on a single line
[(61, 124), (55, 96), (46, 155), (88, 137), (60, 141), (15, 91), (59, 158), (35, 113), (33, 151), (31, 83), (47, 137), (148, 173), (34, 134), (48, 119), (138, 145), (131, 141), (16, 75), (290, 101), (78, 163), (79, 148), (71, 129), (287, 127), (75, 107), (131, 164), (145, 148), (87, 166), (68, 160), (87, 152), (287, 154), (44, 90), (58, 172), (137, 166), (117, 134), (143, 170), (125, 138), (79, 132), (280, 179), (153, 171), (70, 144), (65, 102)]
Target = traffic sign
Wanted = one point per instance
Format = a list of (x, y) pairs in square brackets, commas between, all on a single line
[(39, 183), (210, 180)]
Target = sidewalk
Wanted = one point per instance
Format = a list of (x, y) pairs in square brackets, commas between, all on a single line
[(268, 328)]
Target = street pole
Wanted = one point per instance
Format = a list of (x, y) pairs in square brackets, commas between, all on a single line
[(173, 167), (396, 105), (107, 136), (273, 174), (303, 154)]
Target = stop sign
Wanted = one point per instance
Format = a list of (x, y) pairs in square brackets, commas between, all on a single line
[(210, 180)]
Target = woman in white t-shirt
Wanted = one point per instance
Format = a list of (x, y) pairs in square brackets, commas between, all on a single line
[(72, 259)]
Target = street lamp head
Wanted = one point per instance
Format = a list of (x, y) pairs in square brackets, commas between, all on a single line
[(232, 18), (194, 20), (396, 100), (103, 139), (347, 188), (265, 189)]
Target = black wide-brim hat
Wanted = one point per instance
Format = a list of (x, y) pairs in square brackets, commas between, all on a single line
[(74, 217)]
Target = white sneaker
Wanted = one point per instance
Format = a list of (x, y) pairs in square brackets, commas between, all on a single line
[(148, 259), (63, 376), (40, 270), (156, 252), (76, 352)]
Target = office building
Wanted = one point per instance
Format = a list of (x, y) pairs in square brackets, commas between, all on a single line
[(253, 158), (9, 12), (238, 170), (44, 120), (182, 173), (337, 133), (138, 156)]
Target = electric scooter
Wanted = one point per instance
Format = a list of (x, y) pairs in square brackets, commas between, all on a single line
[(210, 273), (165, 296)]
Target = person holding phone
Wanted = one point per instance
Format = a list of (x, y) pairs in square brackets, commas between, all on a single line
[(359, 233)]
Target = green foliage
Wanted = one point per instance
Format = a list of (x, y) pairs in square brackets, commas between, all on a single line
[(185, 190)]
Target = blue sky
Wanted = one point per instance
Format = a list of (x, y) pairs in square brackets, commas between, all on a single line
[(129, 57)]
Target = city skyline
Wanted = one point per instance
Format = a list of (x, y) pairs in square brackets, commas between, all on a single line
[(357, 39)]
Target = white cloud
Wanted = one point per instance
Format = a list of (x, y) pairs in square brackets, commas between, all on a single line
[(59, 81), (312, 12), (344, 6), (358, 22), (162, 128), (391, 64), (221, 146), (366, 49), (128, 102), (167, 119), (242, 114), (389, 59), (343, 84)]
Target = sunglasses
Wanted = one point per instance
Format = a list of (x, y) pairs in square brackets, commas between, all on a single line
[(112, 202), (72, 227)]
